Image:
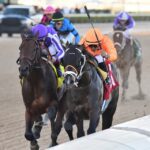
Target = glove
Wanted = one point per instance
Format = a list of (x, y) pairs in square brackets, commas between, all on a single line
[(105, 54), (54, 59), (124, 28), (47, 41)]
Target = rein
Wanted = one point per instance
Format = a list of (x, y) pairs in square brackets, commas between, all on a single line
[(75, 74), (123, 44)]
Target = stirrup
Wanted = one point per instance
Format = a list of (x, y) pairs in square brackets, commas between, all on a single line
[(104, 105)]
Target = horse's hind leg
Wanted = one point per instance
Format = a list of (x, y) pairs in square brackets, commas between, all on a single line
[(138, 69), (28, 133)]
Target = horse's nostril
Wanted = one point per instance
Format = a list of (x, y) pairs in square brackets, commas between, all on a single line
[(23, 70), (26, 68)]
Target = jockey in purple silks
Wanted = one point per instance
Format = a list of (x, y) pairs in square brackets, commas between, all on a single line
[(124, 22), (48, 38)]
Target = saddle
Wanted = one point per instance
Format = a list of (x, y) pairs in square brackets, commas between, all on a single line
[(102, 73), (59, 79)]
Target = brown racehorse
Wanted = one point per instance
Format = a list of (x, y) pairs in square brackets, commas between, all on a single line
[(39, 86)]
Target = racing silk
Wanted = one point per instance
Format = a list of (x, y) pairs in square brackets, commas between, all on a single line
[(66, 28), (129, 24), (53, 43), (106, 45)]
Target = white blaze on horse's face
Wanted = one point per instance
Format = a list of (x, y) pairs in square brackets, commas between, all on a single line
[(119, 41)]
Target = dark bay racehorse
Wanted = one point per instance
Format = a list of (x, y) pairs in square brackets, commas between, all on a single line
[(82, 96), (39, 86), (127, 59)]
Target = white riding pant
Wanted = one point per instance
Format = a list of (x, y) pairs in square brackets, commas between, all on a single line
[(69, 38), (52, 50), (99, 58), (127, 33)]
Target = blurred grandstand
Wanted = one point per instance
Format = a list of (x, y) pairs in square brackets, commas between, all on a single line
[(109, 6)]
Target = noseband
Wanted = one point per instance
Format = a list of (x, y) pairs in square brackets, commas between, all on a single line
[(74, 72)]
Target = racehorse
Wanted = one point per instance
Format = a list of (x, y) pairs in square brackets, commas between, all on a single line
[(39, 86), (127, 59), (82, 95)]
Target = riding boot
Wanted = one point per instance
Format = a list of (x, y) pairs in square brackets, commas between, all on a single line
[(58, 69), (107, 87)]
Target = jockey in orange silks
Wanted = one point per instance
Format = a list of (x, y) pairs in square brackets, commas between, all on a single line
[(102, 48)]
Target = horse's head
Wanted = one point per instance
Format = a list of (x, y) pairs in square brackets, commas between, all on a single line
[(119, 41), (73, 61), (29, 54)]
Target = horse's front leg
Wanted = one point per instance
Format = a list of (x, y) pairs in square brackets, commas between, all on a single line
[(70, 121), (37, 127), (28, 132), (80, 128), (94, 119)]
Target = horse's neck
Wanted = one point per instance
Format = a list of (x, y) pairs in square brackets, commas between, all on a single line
[(88, 74)]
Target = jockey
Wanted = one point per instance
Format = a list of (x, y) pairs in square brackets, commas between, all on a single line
[(63, 26), (100, 47), (48, 38), (47, 16), (126, 23)]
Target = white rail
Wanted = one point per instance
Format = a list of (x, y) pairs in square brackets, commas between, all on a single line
[(132, 135)]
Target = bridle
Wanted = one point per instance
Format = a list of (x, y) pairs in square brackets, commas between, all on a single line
[(123, 43), (32, 62), (74, 73)]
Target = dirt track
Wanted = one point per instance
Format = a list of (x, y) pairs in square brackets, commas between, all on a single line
[(12, 108)]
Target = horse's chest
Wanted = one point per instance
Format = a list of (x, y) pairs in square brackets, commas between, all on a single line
[(76, 99)]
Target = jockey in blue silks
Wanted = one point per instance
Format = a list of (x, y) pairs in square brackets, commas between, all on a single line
[(64, 28), (124, 22), (49, 39)]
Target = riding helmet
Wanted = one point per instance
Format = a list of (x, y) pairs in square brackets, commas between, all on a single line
[(41, 30), (57, 16)]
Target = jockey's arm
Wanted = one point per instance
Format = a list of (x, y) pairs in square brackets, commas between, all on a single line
[(108, 46), (58, 47), (131, 23), (74, 32)]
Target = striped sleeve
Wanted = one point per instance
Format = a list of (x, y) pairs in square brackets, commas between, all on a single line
[(58, 46)]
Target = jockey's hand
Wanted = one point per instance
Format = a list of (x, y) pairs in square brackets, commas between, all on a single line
[(124, 28), (54, 59), (105, 54)]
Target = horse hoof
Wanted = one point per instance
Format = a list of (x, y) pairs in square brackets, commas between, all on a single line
[(29, 137), (139, 97), (34, 146), (53, 144)]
